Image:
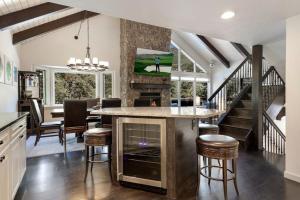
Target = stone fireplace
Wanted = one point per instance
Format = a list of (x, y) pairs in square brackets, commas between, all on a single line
[(137, 35)]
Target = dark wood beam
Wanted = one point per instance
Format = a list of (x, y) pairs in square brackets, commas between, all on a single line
[(29, 13), (257, 95), (241, 49), (214, 51), (50, 26)]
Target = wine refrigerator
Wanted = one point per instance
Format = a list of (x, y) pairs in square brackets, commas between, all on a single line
[(141, 151)]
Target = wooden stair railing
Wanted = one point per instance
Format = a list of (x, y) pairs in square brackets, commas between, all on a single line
[(232, 86), (272, 85), (273, 138)]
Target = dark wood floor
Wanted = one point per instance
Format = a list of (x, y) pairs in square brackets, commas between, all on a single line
[(53, 178)]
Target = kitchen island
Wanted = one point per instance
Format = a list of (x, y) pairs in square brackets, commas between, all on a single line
[(155, 147)]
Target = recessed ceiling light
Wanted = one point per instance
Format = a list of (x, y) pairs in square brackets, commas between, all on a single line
[(228, 15)]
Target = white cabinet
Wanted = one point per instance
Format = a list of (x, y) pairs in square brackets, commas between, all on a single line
[(12, 159), (4, 175)]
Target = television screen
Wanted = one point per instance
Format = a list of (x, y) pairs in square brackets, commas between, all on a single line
[(153, 63)]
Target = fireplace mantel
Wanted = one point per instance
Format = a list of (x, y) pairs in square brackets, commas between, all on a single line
[(149, 86)]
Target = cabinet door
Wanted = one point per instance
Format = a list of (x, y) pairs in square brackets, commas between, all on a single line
[(14, 166), (4, 176), (22, 158)]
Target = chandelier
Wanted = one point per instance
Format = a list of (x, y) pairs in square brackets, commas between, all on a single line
[(88, 63)]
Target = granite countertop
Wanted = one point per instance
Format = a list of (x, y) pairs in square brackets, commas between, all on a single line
[(7, 119), (165, 112)]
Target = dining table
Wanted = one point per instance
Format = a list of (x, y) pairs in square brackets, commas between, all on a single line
[(59, 112)]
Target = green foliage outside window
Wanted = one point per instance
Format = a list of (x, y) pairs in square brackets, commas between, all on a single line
[(74, 86), (107, 85)]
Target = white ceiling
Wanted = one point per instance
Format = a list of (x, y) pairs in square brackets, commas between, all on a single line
[(256, 21), (225, 47)]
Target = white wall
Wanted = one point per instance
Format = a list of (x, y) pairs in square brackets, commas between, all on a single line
[(292, 170), (274, 52), (8, 93), (220, 73), (55, 48)]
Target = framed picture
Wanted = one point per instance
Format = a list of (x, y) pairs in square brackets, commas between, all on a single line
[(15, 74), (1, 68), (153, 63), (8, 71)]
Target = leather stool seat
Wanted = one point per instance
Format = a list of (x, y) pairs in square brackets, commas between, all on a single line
[(221, 147)]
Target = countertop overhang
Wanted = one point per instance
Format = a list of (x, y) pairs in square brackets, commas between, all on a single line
[(163, 112), (7, 119)]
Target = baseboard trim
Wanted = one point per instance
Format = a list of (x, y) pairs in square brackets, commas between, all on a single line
[(292, 176)]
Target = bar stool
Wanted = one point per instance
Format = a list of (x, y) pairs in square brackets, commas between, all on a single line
[(94, 138), (208, 129), (220, 147)]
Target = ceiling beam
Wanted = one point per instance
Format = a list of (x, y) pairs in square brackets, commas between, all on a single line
[(214, 51), (241, 49), (29, 13), (50, 26)]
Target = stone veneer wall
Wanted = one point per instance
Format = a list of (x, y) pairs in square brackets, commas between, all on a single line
[(137, 35)]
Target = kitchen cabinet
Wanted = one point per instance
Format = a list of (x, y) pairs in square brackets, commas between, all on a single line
[(12, 158)]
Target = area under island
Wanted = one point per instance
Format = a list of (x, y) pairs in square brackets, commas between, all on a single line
[(155, 147)]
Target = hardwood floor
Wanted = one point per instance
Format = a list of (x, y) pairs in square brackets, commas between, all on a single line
[(51, 177)]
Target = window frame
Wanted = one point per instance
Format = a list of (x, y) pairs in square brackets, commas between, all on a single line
[(50, 82)]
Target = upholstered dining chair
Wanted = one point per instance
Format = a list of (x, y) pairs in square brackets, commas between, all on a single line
[(106, 120), (44, 129), (75, 113)]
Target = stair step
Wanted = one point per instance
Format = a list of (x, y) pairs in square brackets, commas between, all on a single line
[(236, 136), (240, 117), (246, 103), (233, 129), (238, 122), (242, 112)]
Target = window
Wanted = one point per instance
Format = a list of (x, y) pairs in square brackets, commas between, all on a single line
[(107, 85), (73, 86), (187, 95), (174, 50), (186, 65), (201, 93)]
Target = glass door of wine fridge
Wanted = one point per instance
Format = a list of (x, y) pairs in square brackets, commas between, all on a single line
[(142, 151)]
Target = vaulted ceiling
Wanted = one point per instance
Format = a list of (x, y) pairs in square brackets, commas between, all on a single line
[(27, 19), (256, 21)]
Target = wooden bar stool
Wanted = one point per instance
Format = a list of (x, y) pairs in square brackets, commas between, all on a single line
[(97, 137), (205, 128), (219, 147)]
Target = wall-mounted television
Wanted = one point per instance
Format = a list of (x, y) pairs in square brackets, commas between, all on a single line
[(153, 63)]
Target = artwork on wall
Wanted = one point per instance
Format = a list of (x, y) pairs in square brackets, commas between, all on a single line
[(153, 63), (8, 71), (15, 74), (1, 68)]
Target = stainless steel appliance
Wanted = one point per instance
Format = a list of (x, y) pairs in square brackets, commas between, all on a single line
[(142, 151)]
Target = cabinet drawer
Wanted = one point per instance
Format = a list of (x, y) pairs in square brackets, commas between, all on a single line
[(4, 139), (18, 127)]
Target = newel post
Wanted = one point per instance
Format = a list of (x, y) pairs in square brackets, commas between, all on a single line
[(257, 95)]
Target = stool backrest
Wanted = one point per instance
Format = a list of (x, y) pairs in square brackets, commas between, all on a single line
[(75, 113)]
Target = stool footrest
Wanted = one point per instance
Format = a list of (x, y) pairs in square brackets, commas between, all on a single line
[(213, 178)]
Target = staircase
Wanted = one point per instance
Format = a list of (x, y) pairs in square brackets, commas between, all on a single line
[(237, 122), (234, 97)]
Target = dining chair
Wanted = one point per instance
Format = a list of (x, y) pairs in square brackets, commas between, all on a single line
[(44, 129), (106, 120), (75, 113), (93, 104)]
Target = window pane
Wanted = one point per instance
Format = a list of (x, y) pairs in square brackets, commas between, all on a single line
[(199, 69), (74, 86), (186, 64), (107, 78), (186, 93), (174, 50), (201, 93)]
